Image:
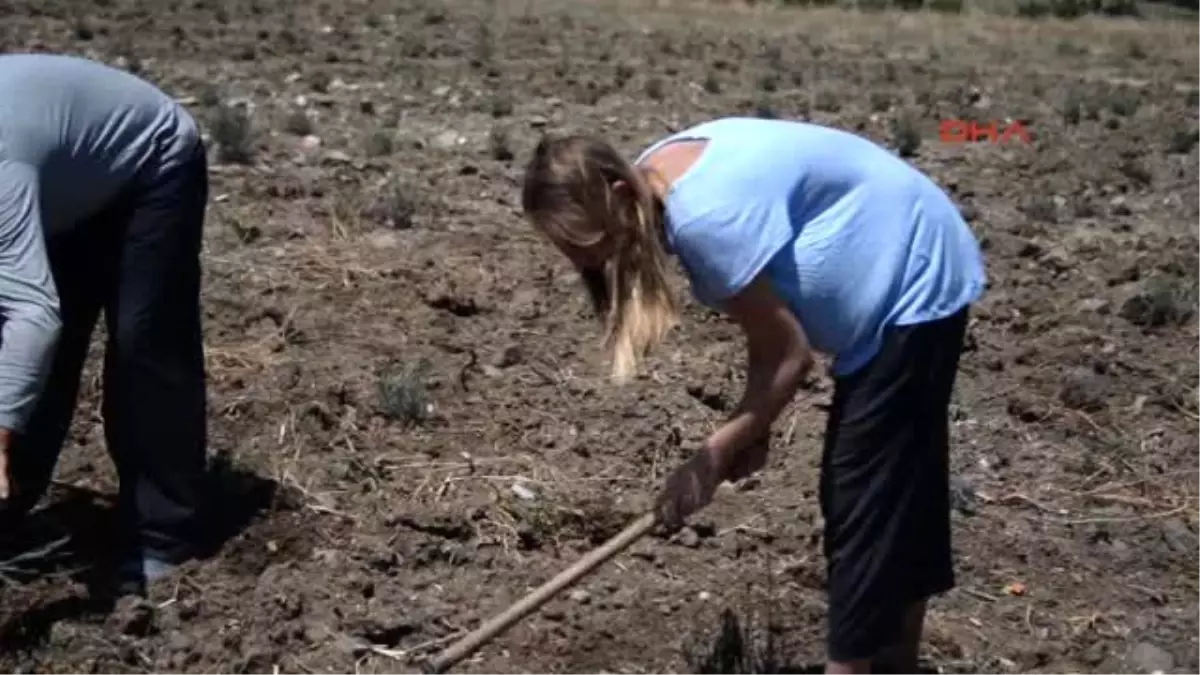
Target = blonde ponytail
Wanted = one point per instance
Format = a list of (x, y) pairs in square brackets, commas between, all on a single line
[(569, 194), (644, 309)]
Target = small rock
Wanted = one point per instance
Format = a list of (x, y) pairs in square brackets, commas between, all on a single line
[(1139, 403), (748, 484), (1094, 305), (969, 212), (963, 497), (1095, 655), (581, 596), (60, 633), (1178, 536), (314, 632), (1150, 658), (179, 642), (383, 240), (621, 599), (1120, 551), (537, 121), (554, 614), (1057, 259), (446, 140), (508, 357), (645, 554), (523, 492), (1084, 390), (687, 537), (310, 142), (135, 617), (188, 608), (347, 644), (441, 91), (1024, 408), (704, 596), (337, 157)]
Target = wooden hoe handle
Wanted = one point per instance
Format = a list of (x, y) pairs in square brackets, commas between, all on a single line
[(539, 596)]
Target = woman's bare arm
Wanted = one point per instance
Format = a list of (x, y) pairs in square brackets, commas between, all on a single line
[(779, 359)]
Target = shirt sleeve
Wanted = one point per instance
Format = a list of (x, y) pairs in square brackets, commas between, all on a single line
[(725, 248), (29, 309)]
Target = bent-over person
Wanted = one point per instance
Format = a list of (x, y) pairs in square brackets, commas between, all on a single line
[(103, 189)]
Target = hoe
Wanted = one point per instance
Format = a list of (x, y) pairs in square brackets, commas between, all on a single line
[(501, 622)]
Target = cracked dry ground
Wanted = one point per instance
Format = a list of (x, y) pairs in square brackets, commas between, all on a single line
[(413, 421)]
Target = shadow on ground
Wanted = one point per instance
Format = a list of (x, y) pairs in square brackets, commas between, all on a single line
[(736, 648), (70, 542)]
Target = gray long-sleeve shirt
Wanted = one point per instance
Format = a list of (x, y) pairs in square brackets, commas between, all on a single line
[(74, 133)]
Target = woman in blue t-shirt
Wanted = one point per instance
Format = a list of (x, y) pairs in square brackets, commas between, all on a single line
[(811, 239)]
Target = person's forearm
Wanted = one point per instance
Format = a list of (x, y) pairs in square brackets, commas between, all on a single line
[(29, 305), (769, 388), (27, 343)]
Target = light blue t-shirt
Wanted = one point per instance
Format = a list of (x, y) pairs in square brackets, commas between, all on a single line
[(851, 236), (74, 135)]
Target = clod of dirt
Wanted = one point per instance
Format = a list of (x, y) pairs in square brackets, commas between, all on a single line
[(500, 145), (259, 660), (1150, 658), (384, 630), (445, 526), (1084, 390), (969, 212), (709, 395), (1179, 537), (234, 135), (1056, 259), (511, 355), (394, 205), (1025, 408), (687, 537), (1094, 306), (134, 616), (527, 305), (963, 497), (1030, 249), (434, 553), (1163, 301), (446, 296)]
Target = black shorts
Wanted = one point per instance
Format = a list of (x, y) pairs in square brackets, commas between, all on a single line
[(885, 486)]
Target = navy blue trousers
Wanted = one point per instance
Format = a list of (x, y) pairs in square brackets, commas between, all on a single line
[(139, 261)]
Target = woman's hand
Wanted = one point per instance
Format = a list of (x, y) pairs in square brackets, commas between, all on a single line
[(689, 488), (780, 358)]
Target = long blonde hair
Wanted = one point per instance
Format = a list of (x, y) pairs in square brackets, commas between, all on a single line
[(569, 196)]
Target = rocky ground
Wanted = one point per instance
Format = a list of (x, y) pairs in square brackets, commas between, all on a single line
[(410, 416)]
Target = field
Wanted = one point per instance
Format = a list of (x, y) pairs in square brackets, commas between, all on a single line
[(410, 417)]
